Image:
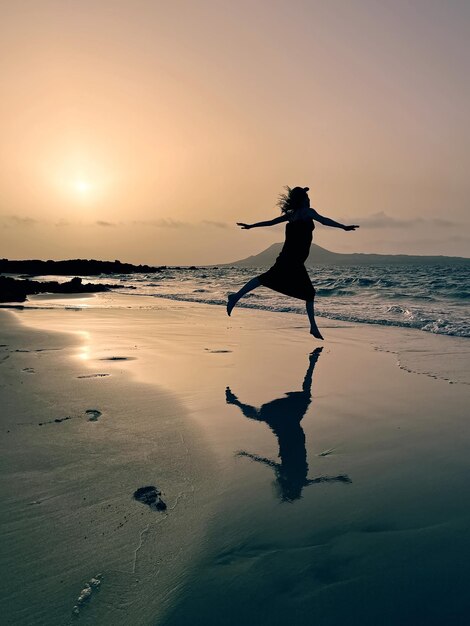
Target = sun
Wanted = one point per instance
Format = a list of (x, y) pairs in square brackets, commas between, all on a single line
[(82, 183), (82, 187)]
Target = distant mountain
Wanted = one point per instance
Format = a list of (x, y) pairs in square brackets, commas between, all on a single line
[(320, 256)]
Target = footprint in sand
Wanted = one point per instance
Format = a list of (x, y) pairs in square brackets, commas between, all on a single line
[(217, 351), (29, 370), (327, 452), (151, 496), (118, 358), (86, 593), (93, 375), (93, 415), (58, 420)]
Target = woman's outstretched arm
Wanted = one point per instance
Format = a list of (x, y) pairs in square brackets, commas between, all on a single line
[(276, 220), (326, 221)]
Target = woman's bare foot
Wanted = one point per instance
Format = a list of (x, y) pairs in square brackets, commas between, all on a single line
[(315, 332), (231, 302), (314, 356)]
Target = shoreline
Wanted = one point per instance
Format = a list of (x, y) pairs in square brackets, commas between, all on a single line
[(30, 305), (441, 356), (372, 508)]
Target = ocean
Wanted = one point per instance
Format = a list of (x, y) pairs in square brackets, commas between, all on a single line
[(430, 298)]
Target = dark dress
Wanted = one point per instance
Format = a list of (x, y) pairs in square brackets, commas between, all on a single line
[(288, 274)]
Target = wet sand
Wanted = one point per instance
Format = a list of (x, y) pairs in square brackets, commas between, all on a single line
[(323, 488)]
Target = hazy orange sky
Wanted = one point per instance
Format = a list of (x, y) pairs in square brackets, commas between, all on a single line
[(143, 130)]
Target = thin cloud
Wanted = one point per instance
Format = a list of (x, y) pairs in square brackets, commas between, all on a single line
[(215, 223), (375, 221), (160, 223), (17, 220), (382, 220), (428, 246), (445, 223), (459, 239), (171, 223)]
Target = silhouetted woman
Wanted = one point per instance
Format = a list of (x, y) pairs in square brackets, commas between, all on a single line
[(288, 274), (283, 416)]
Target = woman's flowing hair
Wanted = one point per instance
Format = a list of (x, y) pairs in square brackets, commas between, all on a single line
[(292, 199)]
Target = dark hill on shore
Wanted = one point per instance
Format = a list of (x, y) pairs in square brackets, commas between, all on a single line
[(320, 256)]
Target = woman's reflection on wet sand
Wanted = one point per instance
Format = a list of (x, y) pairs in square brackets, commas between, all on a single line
[(283, 416)]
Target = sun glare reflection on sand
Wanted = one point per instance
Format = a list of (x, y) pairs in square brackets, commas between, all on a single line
[(84, 350)]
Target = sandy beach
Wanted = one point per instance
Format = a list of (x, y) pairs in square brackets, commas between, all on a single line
[(234, 321), (320, 486)]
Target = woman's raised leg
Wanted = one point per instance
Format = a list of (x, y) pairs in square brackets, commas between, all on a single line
[(311, 316), (233, 298)]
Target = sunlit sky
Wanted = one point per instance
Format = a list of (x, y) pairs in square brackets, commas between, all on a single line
[(143, 130)]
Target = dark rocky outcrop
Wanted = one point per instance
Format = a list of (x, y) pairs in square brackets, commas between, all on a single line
[(15, 290), (72, 267)]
